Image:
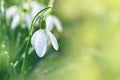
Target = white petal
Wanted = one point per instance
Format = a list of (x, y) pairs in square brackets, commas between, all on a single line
[(15, 21), (26, 6), (11, 12), (49, 23), (41, 44), (34, 37), (28, 19), (53, 40), (58, 24), (36, 7)]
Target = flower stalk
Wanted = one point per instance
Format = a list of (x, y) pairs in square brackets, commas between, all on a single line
[(39, 14), (51, 3), (43, 24)]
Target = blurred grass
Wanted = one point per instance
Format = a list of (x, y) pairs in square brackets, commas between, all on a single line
[(89, 44)]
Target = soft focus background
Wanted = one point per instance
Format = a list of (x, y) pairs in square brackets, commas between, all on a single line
[(89, 44)]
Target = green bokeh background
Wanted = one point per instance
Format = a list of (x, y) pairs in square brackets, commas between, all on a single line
[(89, 44)]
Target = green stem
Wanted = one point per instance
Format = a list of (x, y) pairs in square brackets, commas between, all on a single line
[(26, 55), (39, 14), (0, 23), (51, 3), (3, 17)]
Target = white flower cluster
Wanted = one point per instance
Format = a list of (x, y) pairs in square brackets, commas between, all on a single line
[(25, 18), (19, 15), (41, 37)]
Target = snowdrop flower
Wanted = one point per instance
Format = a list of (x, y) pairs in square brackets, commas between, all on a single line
[(35, 8), (27, 17), (39, 41), (19, 15), (52, 21), (15, 21), (11, 12), (16, 15)]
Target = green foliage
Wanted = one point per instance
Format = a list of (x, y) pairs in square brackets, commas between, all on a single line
[(4, 62), (89, 45)]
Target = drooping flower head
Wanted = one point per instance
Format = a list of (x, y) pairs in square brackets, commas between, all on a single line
[(52, 21), (23, 16), (40, 40), (26, 16)]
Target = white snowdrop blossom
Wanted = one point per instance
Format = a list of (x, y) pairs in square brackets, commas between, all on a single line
[(19, 15), (40, 39), (52, 21), (15, 21), (11, 12), (35, 8)]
